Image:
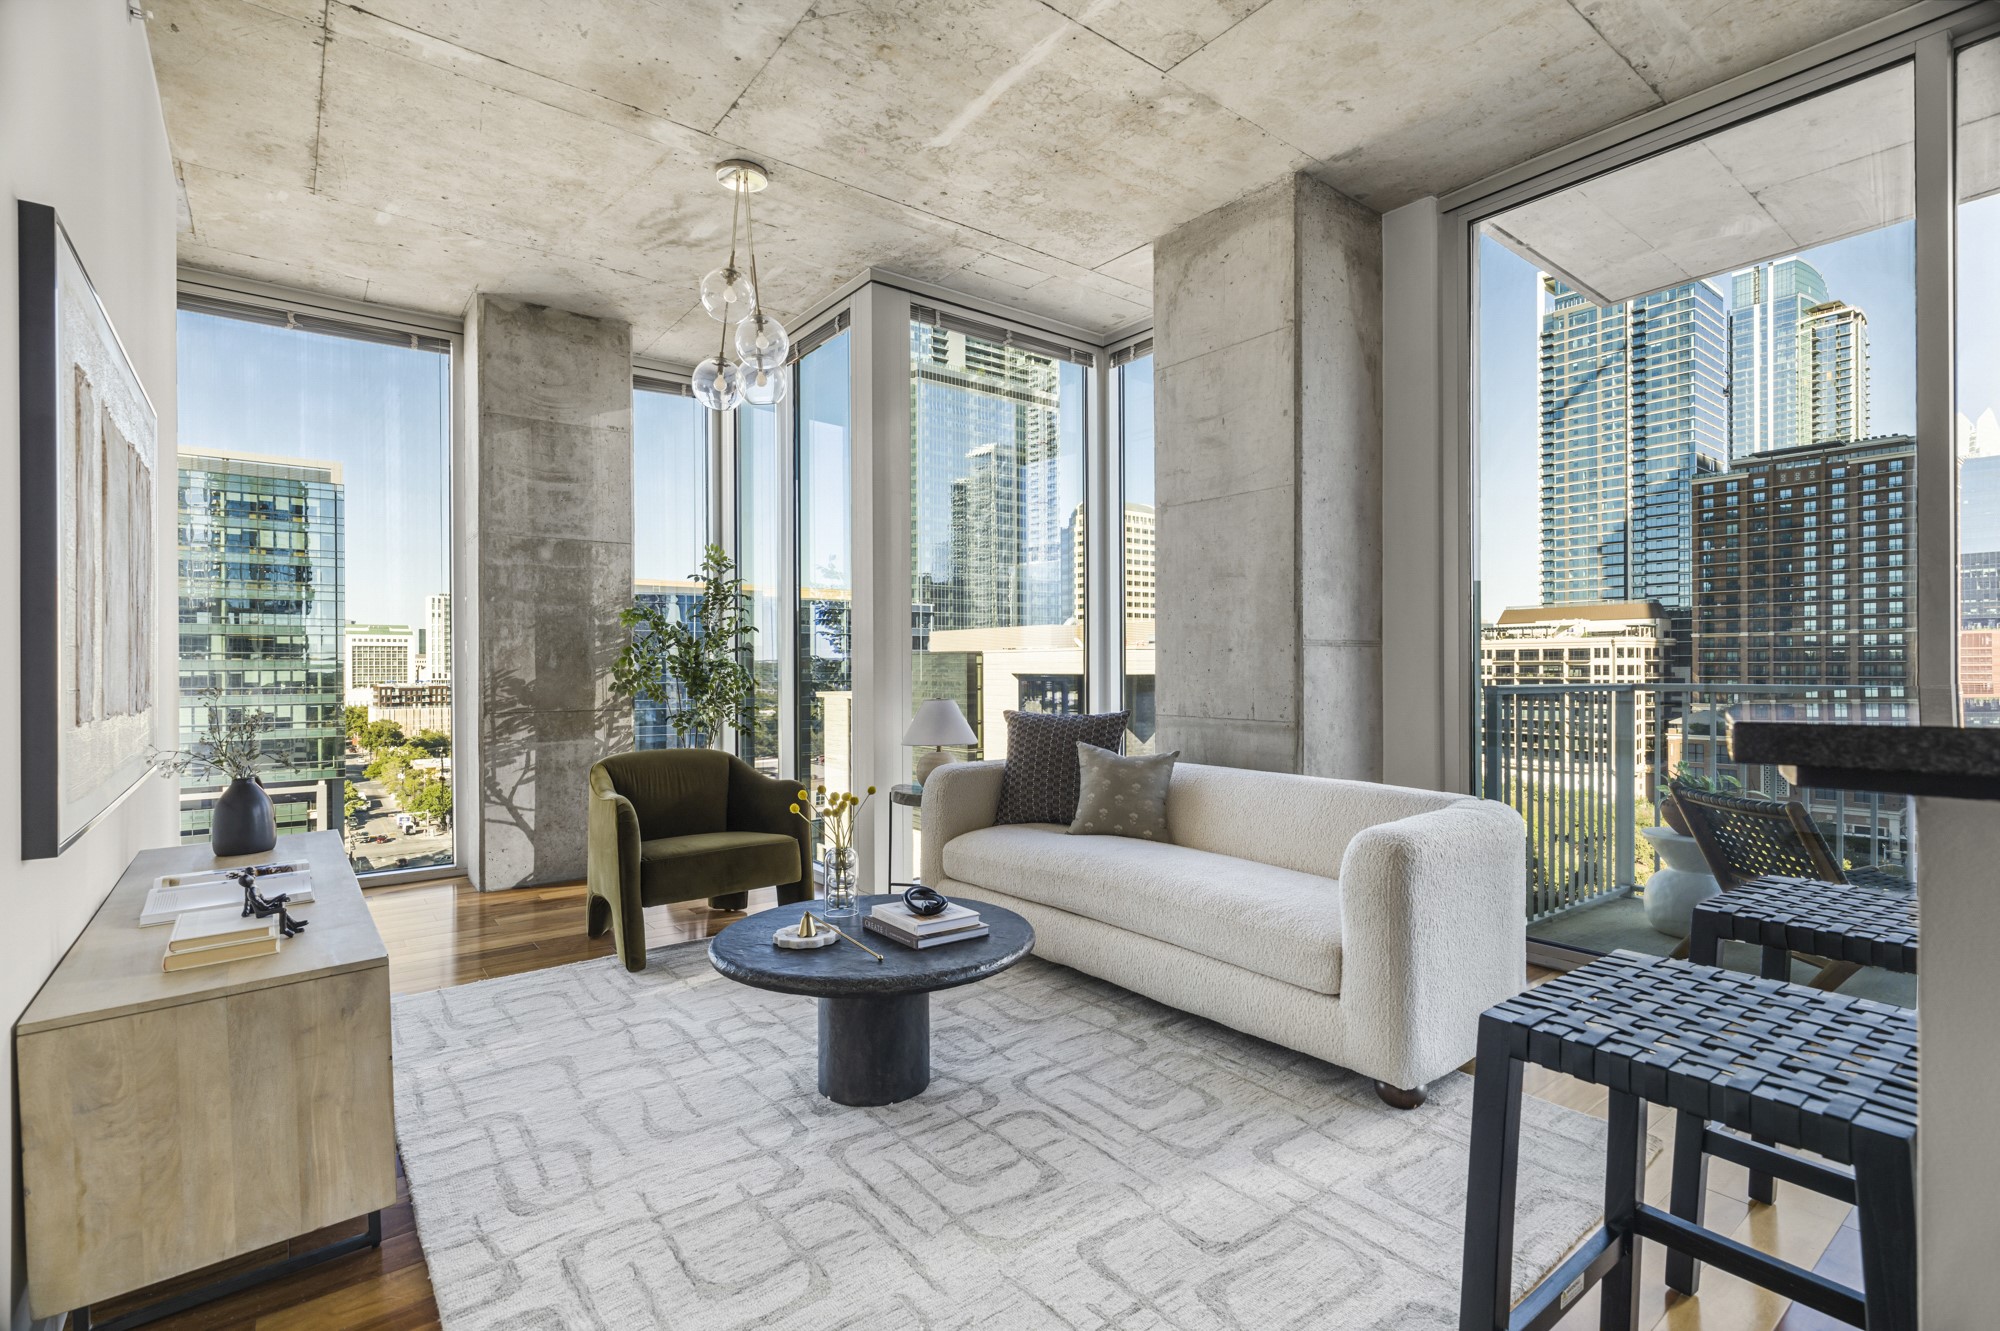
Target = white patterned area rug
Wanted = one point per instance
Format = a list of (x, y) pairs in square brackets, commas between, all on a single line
[(591, 1148)]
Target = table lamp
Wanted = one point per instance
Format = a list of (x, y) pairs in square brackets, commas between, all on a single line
[(937, 723)]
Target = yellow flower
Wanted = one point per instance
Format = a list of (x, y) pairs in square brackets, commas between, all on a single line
[(871, 790), (795, 808)]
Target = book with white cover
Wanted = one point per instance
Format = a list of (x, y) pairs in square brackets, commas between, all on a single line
[(952, 918), (176, 894), (212, 956), (221, 927)]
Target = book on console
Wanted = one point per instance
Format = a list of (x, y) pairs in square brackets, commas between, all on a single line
[(224, 926), (889, 929), (211, 956), (177, 894)]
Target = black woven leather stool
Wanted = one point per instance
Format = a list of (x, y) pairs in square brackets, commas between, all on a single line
[(1859, 923), (1814, 1071)]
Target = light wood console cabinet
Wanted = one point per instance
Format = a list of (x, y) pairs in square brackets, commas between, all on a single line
[(173, 1121)]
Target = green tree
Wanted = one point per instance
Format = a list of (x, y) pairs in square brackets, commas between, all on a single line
[(431, 799), (379, 735), (432, 743), (705, 655), (357, 721), (354, 805)]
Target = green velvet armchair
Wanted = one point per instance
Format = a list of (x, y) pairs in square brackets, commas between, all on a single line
[(678, 824)]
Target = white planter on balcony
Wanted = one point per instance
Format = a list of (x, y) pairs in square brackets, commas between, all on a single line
[(1683, 883)]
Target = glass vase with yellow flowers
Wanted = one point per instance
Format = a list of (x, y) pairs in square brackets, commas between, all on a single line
[(837, 812)]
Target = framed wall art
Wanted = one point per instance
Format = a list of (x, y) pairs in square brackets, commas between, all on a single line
[(89, 520)]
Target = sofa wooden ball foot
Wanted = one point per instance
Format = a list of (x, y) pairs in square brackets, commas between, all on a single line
[(1397, 1098)]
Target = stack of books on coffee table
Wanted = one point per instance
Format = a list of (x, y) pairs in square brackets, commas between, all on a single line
[(225, 933), (892, 919)]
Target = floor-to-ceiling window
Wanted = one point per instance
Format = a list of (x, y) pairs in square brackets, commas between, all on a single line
[(821, 415), (314, 570), (671, 503), (1137, 514), (996, 511), (759, 557), (1978, 413), (1695, 416)]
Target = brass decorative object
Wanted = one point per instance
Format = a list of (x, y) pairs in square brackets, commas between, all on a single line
[(822, 924)]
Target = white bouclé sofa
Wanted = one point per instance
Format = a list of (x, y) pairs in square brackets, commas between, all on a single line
[(1365, 925)]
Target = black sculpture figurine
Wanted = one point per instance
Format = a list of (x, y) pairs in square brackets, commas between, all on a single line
[(261, 908)]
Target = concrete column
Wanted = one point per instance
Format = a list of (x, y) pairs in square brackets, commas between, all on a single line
[(553, 395), (1268, 356)]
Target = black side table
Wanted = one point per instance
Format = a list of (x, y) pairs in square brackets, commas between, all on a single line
[(874, 1016)]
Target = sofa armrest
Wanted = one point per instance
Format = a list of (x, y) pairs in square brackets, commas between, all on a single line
[(958, 798), (1433, 933)]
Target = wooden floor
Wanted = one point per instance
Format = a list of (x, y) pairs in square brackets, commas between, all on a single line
[(444, 934)]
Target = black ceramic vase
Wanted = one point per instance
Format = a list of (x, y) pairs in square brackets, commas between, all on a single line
[(242, 822)]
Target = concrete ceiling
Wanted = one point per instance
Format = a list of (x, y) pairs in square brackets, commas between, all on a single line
[(1807, 174), (412, 152)]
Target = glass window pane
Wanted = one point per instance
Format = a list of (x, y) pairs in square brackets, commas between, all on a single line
[(758, 515), (996, 503), (1979, 384), (826, 584), (1135, 439), (315, 578), (1695, 417), (670, 516)]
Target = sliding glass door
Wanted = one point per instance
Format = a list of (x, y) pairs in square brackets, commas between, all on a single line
[(1696, 435), (825, 564)]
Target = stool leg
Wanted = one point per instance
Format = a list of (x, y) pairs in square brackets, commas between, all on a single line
[(1704, 940), (1486, 1292), (1690, 1195), (1775, 964), (1885, 1192), (1624, 1189)]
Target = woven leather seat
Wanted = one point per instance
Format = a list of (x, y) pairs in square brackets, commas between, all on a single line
[(1818, 1072)]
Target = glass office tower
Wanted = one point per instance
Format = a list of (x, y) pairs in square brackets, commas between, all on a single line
[(1767, 305), (260, 546)]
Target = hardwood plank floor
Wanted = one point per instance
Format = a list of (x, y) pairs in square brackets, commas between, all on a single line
[(444, 933)]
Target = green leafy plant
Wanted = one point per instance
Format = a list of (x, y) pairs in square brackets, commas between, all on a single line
[(694, 667), (230, 743), (1720, 784)]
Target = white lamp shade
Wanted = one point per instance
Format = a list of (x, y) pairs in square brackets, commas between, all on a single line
[(939, 722)]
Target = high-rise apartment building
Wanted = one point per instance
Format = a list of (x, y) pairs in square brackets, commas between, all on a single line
[(1805, 575), (379, 654), (1766, 305), (1633, 397), (1833, 393), (437, 636), (990, 539), (261, 594), (675, 598)]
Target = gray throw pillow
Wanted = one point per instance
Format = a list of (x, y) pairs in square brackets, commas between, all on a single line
[(1123, 796), (1039, 784)]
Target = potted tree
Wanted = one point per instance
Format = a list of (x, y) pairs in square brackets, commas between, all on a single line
[(692, 665)]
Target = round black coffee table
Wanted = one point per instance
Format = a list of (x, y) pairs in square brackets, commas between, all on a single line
[(874, 1016)]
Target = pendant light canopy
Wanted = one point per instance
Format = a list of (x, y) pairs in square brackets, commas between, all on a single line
[(730, 294)]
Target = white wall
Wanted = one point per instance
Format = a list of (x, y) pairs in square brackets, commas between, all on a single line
[(80, 130)]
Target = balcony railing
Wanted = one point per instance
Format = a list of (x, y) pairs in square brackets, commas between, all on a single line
[(1587, 764)]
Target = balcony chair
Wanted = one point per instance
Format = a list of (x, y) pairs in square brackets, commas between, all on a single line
[(671, 825)]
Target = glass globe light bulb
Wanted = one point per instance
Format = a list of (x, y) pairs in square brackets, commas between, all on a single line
[(764, 388), (726, 293), (718, 385), (762, 343)]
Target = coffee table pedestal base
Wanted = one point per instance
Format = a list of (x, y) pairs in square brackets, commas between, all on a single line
[(874, 1049)]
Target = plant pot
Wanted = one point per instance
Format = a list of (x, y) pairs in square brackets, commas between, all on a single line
[(242, 822), (1671, 815)]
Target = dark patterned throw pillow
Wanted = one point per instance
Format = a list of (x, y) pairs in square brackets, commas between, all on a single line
[(1123, 795), (1040, 783)]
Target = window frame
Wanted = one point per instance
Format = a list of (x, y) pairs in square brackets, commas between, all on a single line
[(209, 293)]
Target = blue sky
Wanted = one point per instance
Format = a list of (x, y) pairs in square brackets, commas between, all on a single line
[(382, 412)]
